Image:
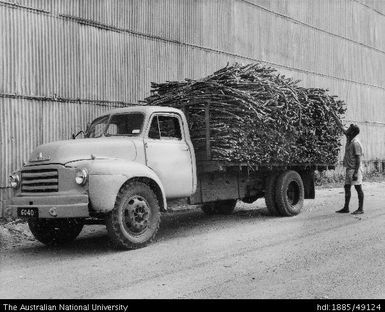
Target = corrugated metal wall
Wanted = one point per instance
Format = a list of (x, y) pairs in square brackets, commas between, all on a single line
[(62, 62)]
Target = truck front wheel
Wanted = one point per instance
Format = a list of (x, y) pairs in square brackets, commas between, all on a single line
[(225, 207), (289, 194), (135, 219), (55, 232)]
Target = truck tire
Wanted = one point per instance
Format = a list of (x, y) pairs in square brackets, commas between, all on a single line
[(270, 188), (289, 193), (55, 232), (225, 207), (135, 219)]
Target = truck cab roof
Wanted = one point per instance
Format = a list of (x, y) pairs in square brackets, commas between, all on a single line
[(146, 109)]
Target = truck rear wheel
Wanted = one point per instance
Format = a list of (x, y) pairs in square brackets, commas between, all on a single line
[(289, 193), (135, 219), (225, 207), (270, 188), (55, 232)]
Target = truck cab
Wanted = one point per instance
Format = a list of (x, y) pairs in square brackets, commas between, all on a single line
[(131, 161)]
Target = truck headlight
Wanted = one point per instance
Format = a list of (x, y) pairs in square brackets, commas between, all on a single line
[(81, 176), (14, 180)]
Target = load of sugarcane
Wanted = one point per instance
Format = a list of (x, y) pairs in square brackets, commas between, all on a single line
[(257, 116)]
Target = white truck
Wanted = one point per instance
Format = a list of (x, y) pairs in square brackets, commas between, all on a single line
[(129, 164)]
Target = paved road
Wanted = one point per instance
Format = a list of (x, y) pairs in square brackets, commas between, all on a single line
[(317, 254)]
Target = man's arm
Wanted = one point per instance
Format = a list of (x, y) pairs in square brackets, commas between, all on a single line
[(358, 163), (357, 148), (338, 122)]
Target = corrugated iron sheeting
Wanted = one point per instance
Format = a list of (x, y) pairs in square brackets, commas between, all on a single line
[(352, 19), (329, 29), (62, 58), (355, 19), (247, 31)]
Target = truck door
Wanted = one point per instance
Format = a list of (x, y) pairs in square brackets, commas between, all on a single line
[(168, 154)]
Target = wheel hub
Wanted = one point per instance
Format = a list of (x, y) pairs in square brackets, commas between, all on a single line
[(136, 214)]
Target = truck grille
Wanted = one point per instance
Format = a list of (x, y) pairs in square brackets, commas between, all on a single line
[(39, 181)]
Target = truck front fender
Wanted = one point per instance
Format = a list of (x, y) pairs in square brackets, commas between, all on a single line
[(106, 178)]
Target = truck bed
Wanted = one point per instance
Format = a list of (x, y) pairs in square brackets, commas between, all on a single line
[(206, 164)]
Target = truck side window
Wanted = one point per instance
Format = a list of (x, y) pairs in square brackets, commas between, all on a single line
[(165, 128), (169, 128)]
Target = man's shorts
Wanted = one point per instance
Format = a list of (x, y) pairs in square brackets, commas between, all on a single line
[(349, 177)]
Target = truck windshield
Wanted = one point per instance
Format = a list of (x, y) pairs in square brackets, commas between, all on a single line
[(128, 124)]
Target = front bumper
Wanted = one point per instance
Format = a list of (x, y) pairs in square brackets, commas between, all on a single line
[(53, 206)]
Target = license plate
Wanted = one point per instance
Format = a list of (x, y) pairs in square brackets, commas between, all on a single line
[(28, 212)]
